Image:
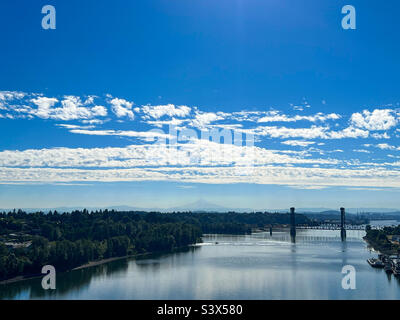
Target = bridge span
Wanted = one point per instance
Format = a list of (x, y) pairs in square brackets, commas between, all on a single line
[(329, 226), (343, 227)]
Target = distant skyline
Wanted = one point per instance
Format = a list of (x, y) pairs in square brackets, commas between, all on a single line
[(88, 111)]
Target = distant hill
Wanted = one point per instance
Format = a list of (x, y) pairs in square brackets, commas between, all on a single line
[(205, 206), (198, 206)]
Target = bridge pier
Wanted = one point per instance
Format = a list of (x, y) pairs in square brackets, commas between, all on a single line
[(292, 223), (342, 224)]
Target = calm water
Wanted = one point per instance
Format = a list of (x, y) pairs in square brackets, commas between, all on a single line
[(257, 266)]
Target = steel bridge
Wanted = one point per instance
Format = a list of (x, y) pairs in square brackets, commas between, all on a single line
[(330, 226), (342, 227)]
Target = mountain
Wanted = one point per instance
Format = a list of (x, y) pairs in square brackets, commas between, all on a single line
[(205, 206)]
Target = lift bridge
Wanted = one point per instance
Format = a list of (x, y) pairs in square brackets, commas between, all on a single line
[(326, 226)]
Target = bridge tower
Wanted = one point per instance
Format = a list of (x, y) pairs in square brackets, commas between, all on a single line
[(342, 223), (292, 222)]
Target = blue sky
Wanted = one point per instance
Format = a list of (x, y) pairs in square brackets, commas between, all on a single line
[(87, 110)]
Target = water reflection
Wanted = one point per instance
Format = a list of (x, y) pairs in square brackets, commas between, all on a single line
[(344, 252), (79, 280), (258, 266)]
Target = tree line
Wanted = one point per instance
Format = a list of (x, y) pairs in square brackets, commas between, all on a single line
[(69, 240), (380, 241)]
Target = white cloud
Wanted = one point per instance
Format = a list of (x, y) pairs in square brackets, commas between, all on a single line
[(196, 160), (307, 187), (199, 161), (72, 108), (44, 105), (377, 120), (122, 108), (361, 151), (349, 132), (367, 189), (199, 152), (380, 135), (279, 175), (251, 116), (276, 116), (202, 119), (385, 146), (99, 111), (313, 132), (74, 126), (300, 143), (169, 110), (148, 135), (95, 121), (172, 122), (11, 95)]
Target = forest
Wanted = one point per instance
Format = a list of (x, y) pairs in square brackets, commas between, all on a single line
[(28, 241)]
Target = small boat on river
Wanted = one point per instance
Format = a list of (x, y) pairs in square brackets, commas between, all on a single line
[(375, 263)]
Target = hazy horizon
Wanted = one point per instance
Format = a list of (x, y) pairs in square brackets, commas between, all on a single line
[(203, 205)]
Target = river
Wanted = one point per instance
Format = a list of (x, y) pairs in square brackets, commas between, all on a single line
[(257, 266)]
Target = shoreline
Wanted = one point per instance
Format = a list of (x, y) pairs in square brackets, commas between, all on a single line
[(20, 279), (81, 267), (377, 248), (104, 261), (90, 264)]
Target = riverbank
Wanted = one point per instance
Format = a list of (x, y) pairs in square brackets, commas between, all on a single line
[(84, 266), (94, 264), (378, 247), (103, 261), (19, 279)]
